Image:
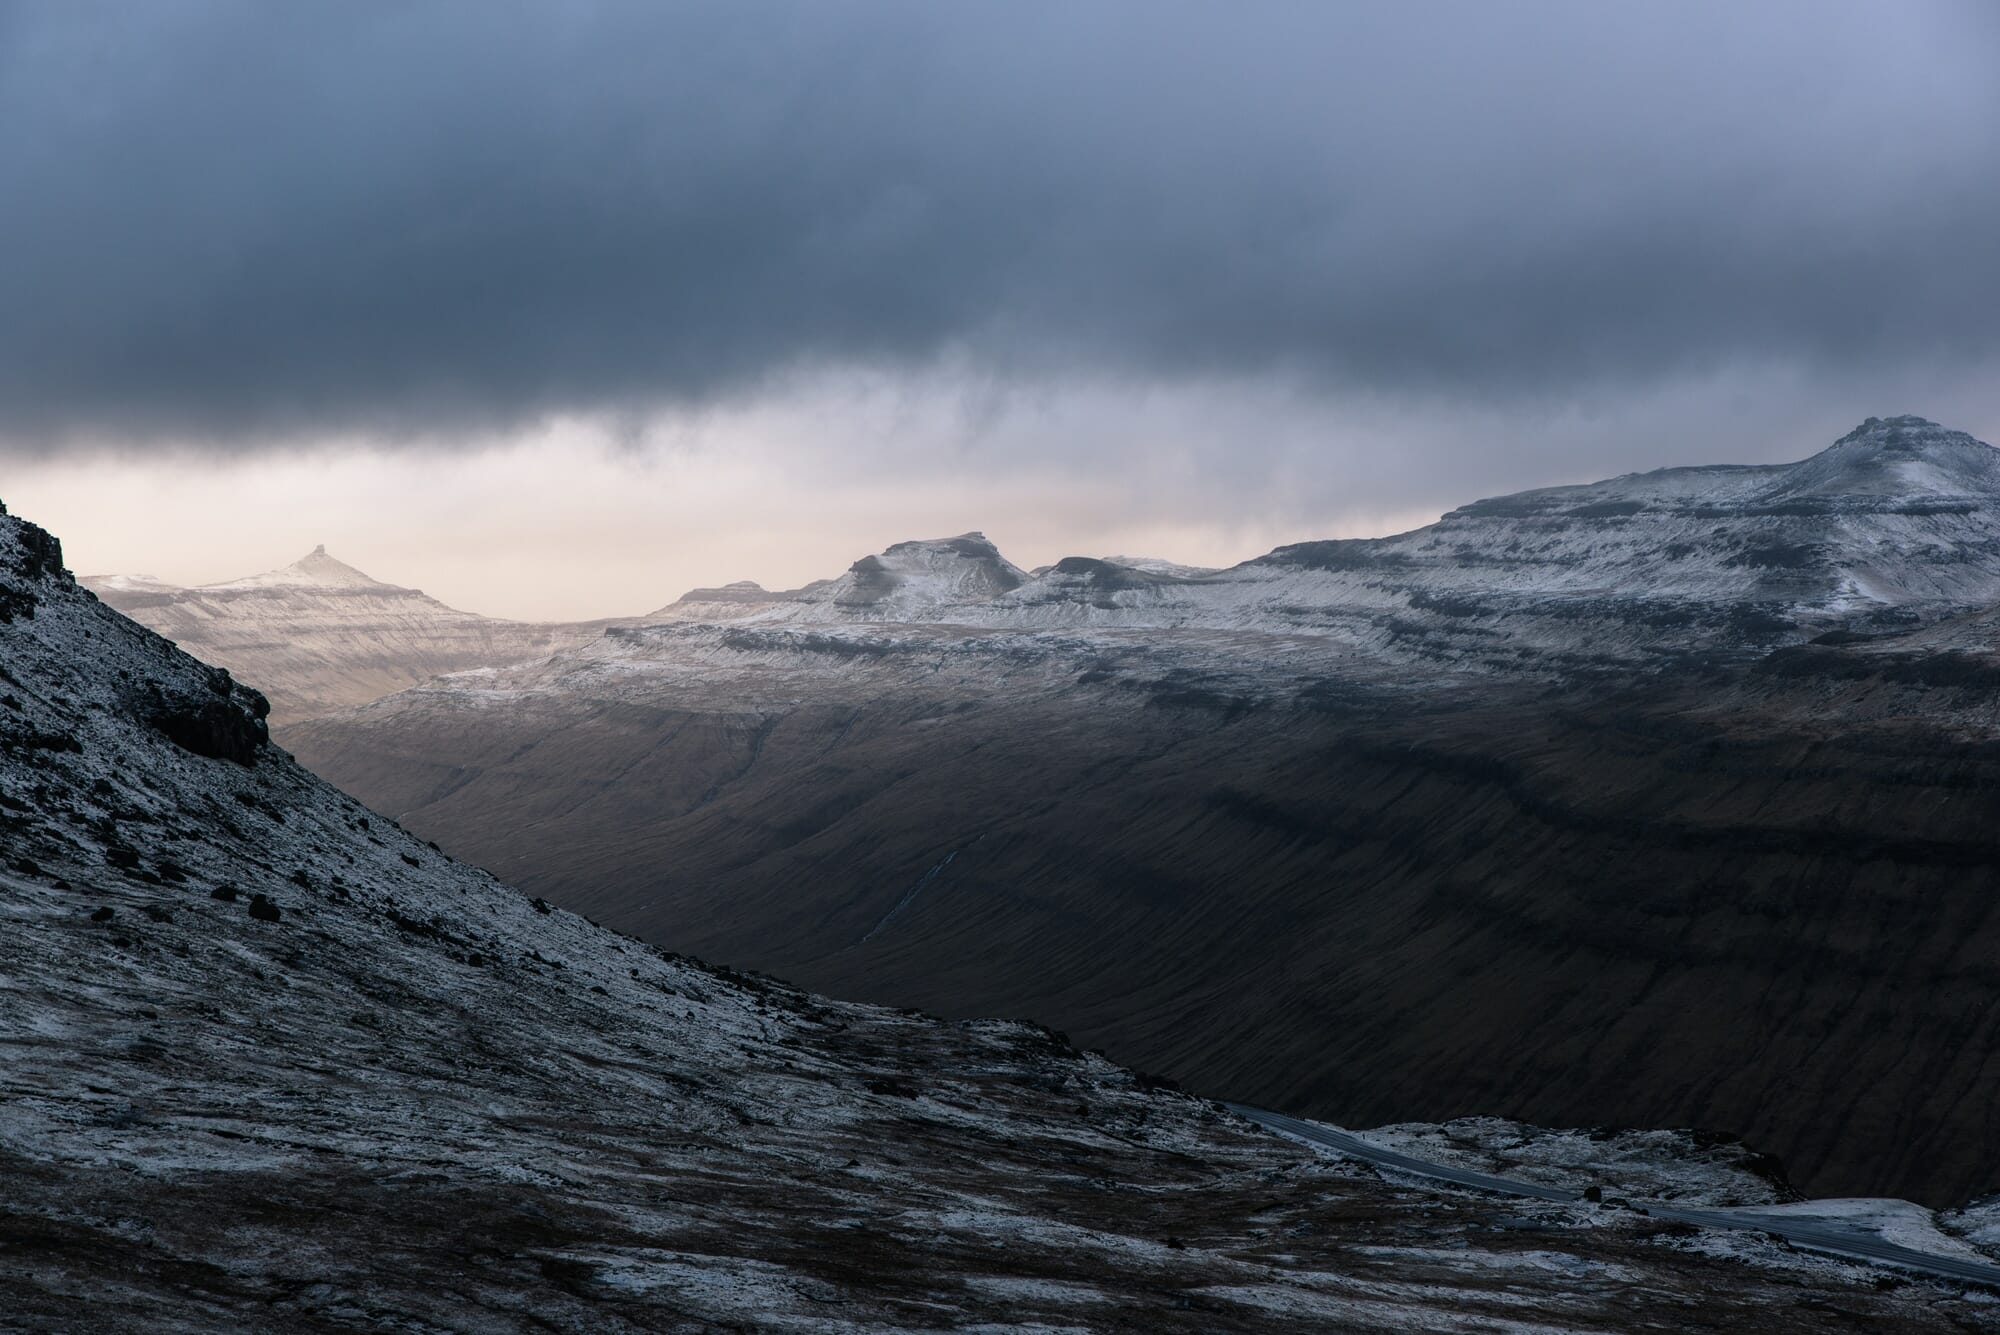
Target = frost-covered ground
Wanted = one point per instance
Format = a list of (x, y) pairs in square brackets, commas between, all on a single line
[(272, 1062), (1681, 1169), (1678, 1167), (1977, 1223), (1559, 1179), (1901, 1222)]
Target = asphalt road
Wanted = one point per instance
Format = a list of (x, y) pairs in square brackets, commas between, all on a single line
[(1818, 1235)]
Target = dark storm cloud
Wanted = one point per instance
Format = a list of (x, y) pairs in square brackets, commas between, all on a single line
[(241, 221)]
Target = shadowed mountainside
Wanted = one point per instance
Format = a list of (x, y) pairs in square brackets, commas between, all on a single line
[(1659, 800), (1675, 906)]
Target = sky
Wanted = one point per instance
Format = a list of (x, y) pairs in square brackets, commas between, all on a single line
[(559, 310)]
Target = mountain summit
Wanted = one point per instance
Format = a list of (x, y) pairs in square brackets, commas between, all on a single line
[(314, 570), (1886, 460), (319, 634), (1893, 520), (923, 577)]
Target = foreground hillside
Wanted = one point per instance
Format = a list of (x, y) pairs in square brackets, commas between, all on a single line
[(273, 1062), (1666, 799)]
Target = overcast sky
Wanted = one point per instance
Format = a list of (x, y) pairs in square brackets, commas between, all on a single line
[(558, 308)]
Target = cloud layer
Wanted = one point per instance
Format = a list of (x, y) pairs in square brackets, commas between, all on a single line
[(242, 223)]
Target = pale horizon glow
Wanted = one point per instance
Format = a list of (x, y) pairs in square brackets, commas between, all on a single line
[(614, 537), (561, 310), (580, 518)]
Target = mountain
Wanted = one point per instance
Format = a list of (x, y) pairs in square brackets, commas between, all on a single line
[(1886, 525), (744, 598), (1154, 565), (1647, 800), (929, 580), (1889, 526), (318, 634), (272, 1061)]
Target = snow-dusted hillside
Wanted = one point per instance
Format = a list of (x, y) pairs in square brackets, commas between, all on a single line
[(318, 634), (731, 602), (272, 1062), (1660, 748), (939, 579), (1896, 523), (1892, 526)]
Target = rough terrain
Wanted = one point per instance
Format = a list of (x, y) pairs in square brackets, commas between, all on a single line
[(1665, 800), (271, 1061)]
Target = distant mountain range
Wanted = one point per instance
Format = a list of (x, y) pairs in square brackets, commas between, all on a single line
[(318, 634), (1888, 528), (1661, 799)]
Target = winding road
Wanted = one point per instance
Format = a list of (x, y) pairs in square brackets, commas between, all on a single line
[(1818, 1235)]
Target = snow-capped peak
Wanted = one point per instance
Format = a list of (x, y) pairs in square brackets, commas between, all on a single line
[(926, 576), (1888, 458), (314, 570), (959, 556)]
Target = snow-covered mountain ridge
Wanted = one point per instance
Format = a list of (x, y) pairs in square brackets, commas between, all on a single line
[(319, 635), (1896, 523), (1890, 527)]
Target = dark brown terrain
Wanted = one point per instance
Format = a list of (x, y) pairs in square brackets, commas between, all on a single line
[(1762, 900), (1663, 800)]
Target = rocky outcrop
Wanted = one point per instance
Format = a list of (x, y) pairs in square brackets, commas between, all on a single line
[(225, 722)]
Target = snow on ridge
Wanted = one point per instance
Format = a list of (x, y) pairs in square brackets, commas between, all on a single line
[(1892, 520), (315, 570), (319, 634), (1890, 516), (141, 584), (922, 578), (1154, 565), (1908, 458)]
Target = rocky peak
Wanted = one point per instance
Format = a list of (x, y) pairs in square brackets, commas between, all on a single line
[(967, 568), (315, 570), (1907, 434), (1895, 458)]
